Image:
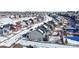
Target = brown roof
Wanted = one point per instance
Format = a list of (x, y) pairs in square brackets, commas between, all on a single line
[(17, 46)]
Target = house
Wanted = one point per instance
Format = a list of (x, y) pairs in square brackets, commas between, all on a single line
[(1, 31), (77, 27), (25, 36), (4, 21), (6, 28), (18, 25), (50, 27), (13, 27), (35, 20), (42, 29), (31, 21), (23, 24), (52, 23), (26, 22), (40, 18)]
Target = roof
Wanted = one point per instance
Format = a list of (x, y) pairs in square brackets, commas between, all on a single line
[(4, 21), (18, 46), (42, 28)]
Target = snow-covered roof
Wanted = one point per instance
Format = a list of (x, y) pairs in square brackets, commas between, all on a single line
[(58, 29), (4, 21)]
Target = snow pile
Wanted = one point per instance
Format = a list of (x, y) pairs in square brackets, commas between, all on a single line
[(42, 45)]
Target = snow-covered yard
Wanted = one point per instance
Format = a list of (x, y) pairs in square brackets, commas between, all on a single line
[(42, 45)]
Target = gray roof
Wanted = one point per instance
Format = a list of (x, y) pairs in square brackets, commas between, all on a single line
[(35, 36)]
